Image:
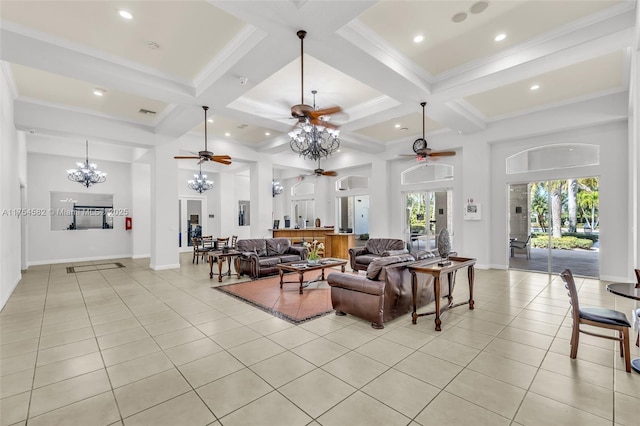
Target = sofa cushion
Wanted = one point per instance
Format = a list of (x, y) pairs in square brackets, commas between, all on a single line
[(366, 259), (380, 245), (374, 268), (269, 261), (258, 246), (277, 246), (289, 258)]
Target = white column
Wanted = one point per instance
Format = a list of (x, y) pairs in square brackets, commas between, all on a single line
[(164, 206), (141, 210), (379, 206), (476, 181), (261, 174), (227, 208)]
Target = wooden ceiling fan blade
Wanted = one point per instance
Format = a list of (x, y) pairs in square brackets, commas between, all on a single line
[(186, 157), (220, 157), (442, 154), (318, 122), (221, 161), (325, 111), (329, 173)]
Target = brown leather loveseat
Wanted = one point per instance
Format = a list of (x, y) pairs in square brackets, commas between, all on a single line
[(360, 257), (261, 256), (384, 293)]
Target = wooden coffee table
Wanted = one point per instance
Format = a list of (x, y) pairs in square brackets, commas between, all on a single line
[(219, 256), (304, 266)]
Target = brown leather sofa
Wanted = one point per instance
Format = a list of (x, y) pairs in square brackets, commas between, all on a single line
[(360, 257), (383, 296), (260, 257)]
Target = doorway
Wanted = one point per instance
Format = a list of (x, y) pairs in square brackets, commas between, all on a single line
[(427, 213), (190, 222), (560, 220)]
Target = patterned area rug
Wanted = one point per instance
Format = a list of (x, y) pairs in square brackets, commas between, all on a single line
[(286, 303)]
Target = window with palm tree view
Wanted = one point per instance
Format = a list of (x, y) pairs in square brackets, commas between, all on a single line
[(554, 225)]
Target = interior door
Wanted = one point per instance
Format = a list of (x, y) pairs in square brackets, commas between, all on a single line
[(191, 223)]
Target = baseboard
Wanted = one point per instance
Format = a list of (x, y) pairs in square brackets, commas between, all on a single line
[(7, 295), (164, 267), (500, 267), (81, 259), (616, 279), (141, 256)]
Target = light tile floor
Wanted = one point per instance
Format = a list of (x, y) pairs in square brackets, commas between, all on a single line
[(135, 346)]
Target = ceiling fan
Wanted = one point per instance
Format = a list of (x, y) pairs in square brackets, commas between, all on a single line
[(322, 172), (420, 147), (206, 155), (307, 113)]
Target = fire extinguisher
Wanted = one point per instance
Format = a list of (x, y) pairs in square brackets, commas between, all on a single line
[(127, 223)]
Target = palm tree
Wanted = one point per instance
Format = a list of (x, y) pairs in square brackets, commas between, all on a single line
[(572, 185), (557, 187), (539, 204)]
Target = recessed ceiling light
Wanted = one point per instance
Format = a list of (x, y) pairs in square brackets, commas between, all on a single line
[(479, 7), (534, 87), (267, 134), (404, 129), (418, 38), (500, 37), (125, 14), (397, 126), (459, 17), (210, 120), (99, 92), (227, 134)]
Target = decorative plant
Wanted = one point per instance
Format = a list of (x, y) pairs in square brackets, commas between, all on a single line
[(313, 248)]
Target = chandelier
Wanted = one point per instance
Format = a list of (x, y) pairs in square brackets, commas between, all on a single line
[(276, 188), (313, 141), (200, 183), (86, 173)]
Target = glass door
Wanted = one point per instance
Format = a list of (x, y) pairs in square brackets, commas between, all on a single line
[(560, 220), (427, 213)]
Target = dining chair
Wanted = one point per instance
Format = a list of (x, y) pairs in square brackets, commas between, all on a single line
[(201, 247), (596, 317), (222, 242), (234, 240)]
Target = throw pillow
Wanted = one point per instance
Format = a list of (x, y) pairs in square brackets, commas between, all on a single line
[(374, 268)]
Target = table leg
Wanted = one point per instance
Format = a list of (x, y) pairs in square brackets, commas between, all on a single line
[(210, 267), (450, 283), (301, 280), (219, 269), (470, 276), (322, 275), (414, 291), (342, 269), (281, 272), (436, 289)]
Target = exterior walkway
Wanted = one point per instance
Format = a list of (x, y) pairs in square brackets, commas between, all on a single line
[(585, 263)]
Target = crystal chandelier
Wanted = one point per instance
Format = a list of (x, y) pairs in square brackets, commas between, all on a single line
[(200, 183), (313, 141), (276, 188), (86, 173)]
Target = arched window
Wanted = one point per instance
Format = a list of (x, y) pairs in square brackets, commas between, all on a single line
[(552, 157), (423, 173)]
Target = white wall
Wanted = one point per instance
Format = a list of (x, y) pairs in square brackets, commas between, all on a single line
[(12, 174), (46, 173), (614, 206)]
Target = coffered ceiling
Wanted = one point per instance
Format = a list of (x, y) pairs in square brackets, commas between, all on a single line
[(242, 58)]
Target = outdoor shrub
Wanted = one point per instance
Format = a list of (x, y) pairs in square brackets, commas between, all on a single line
[(563, 243), (592, 237)]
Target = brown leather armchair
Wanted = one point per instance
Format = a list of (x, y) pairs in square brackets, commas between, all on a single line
[(385, 292), (360, 257)]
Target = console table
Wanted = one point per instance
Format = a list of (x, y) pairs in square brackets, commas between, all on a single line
[(438, 273), (219, 256)]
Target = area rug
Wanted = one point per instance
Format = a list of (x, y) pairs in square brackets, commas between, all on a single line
[(286, 303)]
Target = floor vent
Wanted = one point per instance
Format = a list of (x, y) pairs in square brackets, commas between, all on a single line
[(95, 267)]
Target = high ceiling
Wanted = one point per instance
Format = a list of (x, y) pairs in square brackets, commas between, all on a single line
[(242, 58)]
